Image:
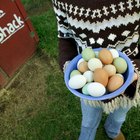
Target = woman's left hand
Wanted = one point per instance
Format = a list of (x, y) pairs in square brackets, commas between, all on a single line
[(135, 77)]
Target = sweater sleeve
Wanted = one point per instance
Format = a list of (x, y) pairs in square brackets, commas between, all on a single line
[(135, 86), (136, 61), (67, 45)]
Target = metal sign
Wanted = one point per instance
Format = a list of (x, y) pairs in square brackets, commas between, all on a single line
[(18, 38)]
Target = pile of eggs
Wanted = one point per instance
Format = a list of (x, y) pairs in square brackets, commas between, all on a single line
[(98, 72)]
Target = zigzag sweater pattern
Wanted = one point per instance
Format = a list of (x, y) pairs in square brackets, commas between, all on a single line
[(98, 23)]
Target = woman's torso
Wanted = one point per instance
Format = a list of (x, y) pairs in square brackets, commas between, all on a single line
[(106, 23)]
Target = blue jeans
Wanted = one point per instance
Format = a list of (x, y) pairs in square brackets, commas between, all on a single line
[(91, 118)]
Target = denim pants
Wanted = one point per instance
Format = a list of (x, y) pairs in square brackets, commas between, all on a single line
[(91, 118)]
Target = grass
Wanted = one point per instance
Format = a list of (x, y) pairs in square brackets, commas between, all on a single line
[(47, 32), (46, 110)]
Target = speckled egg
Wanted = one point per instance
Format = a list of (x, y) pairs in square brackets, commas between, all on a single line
[(94, 63), (77, 82), (120, 75), (84, 89), (80, 60), (83, 67), (88, 53), (88, 75), (115, 82), (96, 89), (96, 54), (114, 53), (101, 76), (110, 69), (105, 56), (74, 72), (120, 64)]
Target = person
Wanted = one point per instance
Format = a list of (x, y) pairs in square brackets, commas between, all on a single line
[(105, 24)]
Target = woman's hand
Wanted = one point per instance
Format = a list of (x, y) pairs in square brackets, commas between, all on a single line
[(65, 65), (135, 77)]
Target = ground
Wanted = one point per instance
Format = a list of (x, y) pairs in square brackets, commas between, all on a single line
[(27, 88), (36, 105), (25, 80)]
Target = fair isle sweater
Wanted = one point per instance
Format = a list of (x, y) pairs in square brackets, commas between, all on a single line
[(100, 23)]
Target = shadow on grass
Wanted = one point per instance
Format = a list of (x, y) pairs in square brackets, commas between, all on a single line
[(36, 7)]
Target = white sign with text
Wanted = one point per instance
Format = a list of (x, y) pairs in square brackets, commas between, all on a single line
[(10, 28)]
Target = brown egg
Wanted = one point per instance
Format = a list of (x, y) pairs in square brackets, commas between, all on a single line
[(115, 82), (83, 66), (105, 56), (110, 69), (100, 76)]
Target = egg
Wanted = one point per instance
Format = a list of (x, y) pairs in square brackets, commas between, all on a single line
[(74, 72), (96, 89), (110, 69), (80, 60), (84, 89), (77, 82), (114, 53), (120, 64), (88, 75), (101, 76), (83, 67), (87, 54), (96, 54), (94, 63), (120, 75), (105, 56), (115, 82)]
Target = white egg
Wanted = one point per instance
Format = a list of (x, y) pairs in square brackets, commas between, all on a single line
[(94, 63), (77, 81), (96, 54), (80, 60), (114, 53), (88, 75), (96, 89)]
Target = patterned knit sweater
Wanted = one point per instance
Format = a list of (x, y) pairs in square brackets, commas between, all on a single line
[(100, 23)]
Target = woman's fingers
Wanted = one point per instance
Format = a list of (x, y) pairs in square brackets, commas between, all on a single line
[(135, 77)]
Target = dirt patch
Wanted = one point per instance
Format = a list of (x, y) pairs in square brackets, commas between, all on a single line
[(27, 91), (26, 96)]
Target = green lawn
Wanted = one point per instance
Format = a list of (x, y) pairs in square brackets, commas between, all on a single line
[(53, 114)]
